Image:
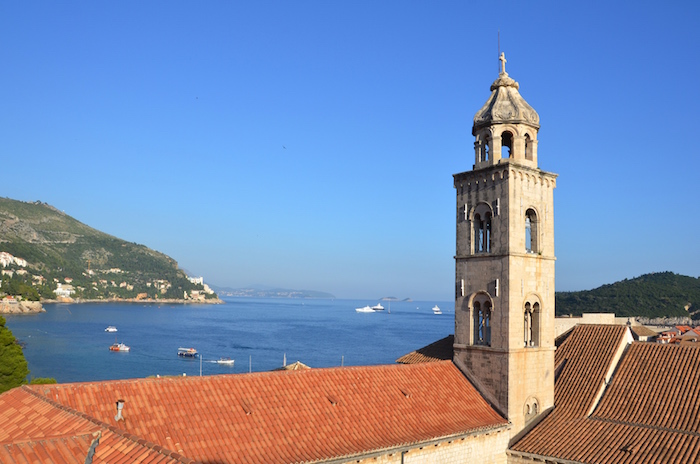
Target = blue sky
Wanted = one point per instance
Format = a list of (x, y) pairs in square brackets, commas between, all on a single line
[(312, 144)]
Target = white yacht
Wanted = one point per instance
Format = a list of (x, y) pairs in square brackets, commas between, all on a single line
[(364, 309)]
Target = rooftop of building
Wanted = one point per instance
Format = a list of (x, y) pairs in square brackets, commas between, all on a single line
[(647, 411), (440, 350), (281, 416)]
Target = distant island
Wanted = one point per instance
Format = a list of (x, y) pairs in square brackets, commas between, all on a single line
[(393, 298), (48, 256), (251, 292)]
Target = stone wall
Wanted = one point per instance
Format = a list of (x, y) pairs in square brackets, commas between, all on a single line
[(562, 324), (485, 448)]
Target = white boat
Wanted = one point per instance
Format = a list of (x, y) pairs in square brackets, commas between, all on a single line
[(111, 328), (364, 309), (378, 307), (436, 310), (119, 347), (227, 361), (187, 352)]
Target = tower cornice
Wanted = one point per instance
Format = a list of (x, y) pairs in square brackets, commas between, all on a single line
[(496, 173)]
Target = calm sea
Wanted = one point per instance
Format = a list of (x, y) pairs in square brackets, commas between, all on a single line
[(69, 343)]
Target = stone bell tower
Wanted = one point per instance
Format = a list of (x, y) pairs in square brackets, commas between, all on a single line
[(504, 299)]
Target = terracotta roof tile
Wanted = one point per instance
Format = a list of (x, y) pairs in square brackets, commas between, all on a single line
[(37, 430), (650, 411), (289, 416), (581, 363), (441, 350)]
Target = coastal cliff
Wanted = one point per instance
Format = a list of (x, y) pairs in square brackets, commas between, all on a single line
[(46, 254), (21, 307)]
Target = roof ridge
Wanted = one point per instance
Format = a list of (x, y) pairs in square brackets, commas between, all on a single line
[(646, 426), (116, 430), (53, 437)]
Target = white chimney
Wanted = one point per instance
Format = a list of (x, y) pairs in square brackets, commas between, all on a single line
[(120, 406)]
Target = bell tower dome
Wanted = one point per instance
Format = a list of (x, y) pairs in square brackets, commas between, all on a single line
[(506, 127), (504, 260)]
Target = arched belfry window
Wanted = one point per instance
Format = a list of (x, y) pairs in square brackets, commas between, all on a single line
[(482, 228), (531, 236), (506, 145), (531, 324), (482, 233), (485, 149), (482, 312), (528, 147)]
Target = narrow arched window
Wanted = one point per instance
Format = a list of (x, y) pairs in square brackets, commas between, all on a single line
[(486, 324), (531, 231), (528, 325), (506, 145), (532, 408), (482, 323), (485, 151), (477, 318), (531, 325), (528, 147), (528, 234), (478, 234), (482, 233), (487, 233), (535, 326)]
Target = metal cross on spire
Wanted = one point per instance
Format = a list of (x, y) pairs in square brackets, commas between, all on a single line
[(502, 59)]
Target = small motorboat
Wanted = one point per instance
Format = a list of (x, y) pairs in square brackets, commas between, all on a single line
[(226, 361), (119, 347), (364, 309), (378, 307), (187, 352), (111, 328), (436, 310)]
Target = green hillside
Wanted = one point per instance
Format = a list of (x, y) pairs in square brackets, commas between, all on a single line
[(662, 294), (57, 247)]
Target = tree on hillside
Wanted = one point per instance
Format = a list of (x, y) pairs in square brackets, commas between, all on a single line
[(13, 366)]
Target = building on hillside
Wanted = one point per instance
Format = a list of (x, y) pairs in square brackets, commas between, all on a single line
[(502, 390), (7, 259), (64, 291)]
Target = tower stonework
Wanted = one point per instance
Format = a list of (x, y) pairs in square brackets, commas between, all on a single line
[(504, 262)]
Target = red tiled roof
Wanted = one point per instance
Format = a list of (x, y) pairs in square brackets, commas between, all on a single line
[(581, 363), (656, 385), (289, 416), (37, 430), (440, 350), (650, 412)]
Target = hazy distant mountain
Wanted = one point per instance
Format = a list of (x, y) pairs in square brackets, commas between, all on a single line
[(60, 249), (662, 294), (270, 292)]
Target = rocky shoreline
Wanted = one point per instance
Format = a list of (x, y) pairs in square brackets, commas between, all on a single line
[(34, 307), (21, 307)]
